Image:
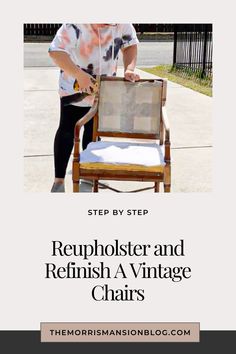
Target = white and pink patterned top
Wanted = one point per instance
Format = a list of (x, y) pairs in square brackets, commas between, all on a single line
[(94, 49)]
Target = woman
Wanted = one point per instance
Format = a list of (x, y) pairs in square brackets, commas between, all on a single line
[(83, 51)]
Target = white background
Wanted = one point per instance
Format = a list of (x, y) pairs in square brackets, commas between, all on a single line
[(31, 221)]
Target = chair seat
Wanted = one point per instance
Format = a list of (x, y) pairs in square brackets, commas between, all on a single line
[(123, 155)]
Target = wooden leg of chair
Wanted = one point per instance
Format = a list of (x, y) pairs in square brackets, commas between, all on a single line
[(95, 186), (167, 178), (75, 176), (167, 188), (75, 187), (157, 187)]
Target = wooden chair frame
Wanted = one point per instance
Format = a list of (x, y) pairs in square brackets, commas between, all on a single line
[(163, 175)]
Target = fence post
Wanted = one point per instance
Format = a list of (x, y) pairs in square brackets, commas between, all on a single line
[(203, 73), (175, 45), (190, 49)]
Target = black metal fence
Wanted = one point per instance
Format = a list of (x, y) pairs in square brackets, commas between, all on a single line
[(193, 49), (153, 27), (46, 29), (41, 29)]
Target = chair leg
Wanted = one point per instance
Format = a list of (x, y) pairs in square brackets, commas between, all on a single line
[(76, 187), (167, 178), (95, 186), (157, 187), (167, 188)]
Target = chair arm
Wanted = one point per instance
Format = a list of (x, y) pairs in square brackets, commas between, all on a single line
[(91, 113), (166, 124)]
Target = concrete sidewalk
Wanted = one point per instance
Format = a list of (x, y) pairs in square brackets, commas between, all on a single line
[(190, 115)]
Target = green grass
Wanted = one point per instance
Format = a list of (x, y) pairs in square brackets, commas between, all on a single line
[(186, 78)]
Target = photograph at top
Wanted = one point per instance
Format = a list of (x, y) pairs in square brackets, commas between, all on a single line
[(117, 108)]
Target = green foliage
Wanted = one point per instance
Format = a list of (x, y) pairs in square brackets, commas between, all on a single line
[(184, 76)]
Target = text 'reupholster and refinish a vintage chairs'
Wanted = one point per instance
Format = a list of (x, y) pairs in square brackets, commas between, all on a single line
[(131, 120)]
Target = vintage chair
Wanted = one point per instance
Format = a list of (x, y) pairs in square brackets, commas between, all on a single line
[(136, 112)]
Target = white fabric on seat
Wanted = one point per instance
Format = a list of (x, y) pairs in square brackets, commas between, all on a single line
[(123, 153)]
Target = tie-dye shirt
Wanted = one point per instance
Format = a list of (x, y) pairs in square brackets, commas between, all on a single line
[(94, 49)]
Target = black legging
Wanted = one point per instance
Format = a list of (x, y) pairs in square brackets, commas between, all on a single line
[(64, 139)]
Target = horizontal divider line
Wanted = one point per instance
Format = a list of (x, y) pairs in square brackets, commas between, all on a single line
[(36, 90), (192, 147), (177, 148), (46, 155), (40, 66)]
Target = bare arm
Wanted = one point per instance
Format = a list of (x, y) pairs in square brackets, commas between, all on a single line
[(64, 62), (129, 60), (130, 57)]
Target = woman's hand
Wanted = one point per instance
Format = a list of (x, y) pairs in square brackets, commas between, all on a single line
[(86, 83), (131, 76)]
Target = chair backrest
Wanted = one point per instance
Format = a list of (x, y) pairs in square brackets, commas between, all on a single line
[(127, 108)]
